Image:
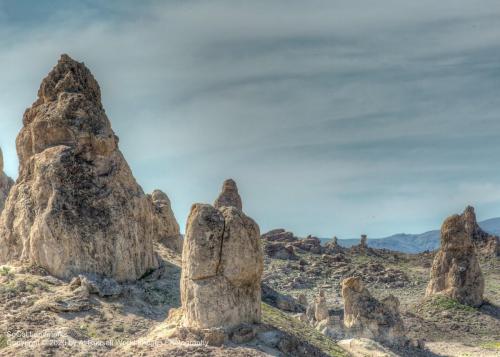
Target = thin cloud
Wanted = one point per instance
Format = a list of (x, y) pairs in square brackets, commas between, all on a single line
[(334, 117)]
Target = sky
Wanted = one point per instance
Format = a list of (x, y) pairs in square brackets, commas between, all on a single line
[(334, 117)]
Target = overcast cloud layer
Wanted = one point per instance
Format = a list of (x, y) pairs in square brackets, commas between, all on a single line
[(334, 117)]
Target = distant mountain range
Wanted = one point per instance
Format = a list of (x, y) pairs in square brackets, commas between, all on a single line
[(415, 243)]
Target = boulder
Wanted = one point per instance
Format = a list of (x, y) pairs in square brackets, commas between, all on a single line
[(6, 183), (310, 244), (279, 235), (229, 197), (76, 207), (280, 250), (222, 264), (455, 270), (365, 316), (166, 226)]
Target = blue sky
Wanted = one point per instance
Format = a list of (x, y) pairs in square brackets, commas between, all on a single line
[(334, 117)]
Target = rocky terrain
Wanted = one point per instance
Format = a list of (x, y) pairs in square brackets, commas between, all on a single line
[(442, 324), (5, 183), (91, 265)]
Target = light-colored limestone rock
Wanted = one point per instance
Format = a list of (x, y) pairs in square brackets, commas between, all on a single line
[(6, 183), (485, 243), (455, 271), (166, 226), (76, 207), (364, 316), (229, 197), (222, 264)]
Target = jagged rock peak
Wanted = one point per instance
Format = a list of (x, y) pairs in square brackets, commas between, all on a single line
[(69, 76), (68, 112), (76, 207), (229, 196)]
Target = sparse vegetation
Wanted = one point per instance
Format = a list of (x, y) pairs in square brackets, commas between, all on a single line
[(446, 303), (279, 319), (493, 345)]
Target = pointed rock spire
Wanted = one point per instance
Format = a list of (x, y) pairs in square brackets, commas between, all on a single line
[(455, 271), (82, 210), (229, 197)]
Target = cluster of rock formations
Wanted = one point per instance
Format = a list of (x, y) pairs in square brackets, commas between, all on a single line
[(281, 244), (77, 211), (222, 264), (76, 207), (363, 315), (455, 271), (6, 183)]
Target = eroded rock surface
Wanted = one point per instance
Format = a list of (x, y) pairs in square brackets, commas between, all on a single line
[(6, 183), (167, 228), (455, 271), (365, 316), (76, 207), (486, 244), (229, 197), (222, 264)]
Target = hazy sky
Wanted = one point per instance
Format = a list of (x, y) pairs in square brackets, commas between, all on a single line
[(334, 117)]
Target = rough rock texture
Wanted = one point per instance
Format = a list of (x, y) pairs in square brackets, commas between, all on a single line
[(364, 316), (6, 183), (222, 264), (166, 226), (333, 247), (278, 250), (309, 244), (229, 197), (455, 271), (279, 235), (485, 243), (76, 207)]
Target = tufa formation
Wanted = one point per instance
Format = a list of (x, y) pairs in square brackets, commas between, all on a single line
[(455, 271), (485, 243), (5, 183), (222, 264), (229, 197), (365, 316), (167, 230), (76, 207)]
